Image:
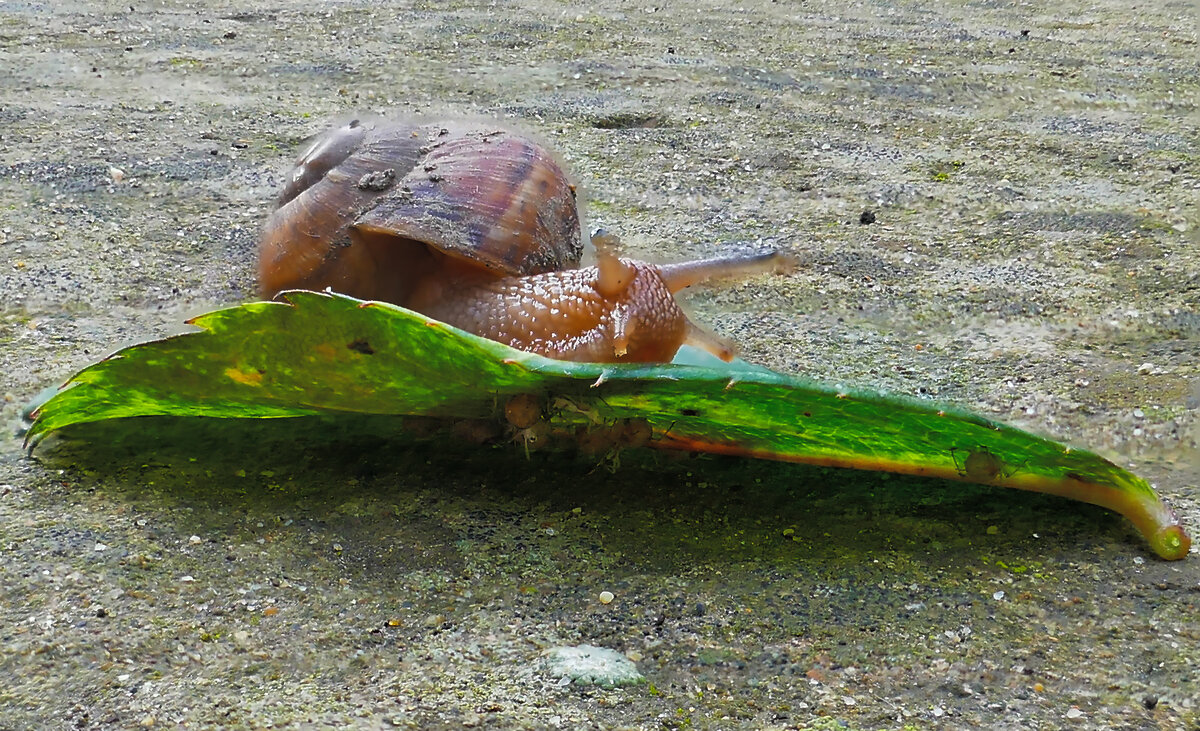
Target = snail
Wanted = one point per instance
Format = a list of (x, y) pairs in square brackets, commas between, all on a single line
[(478, 227)]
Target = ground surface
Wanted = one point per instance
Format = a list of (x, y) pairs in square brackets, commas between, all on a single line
[(1034, 256)]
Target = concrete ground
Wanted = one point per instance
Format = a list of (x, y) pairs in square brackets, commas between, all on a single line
[(1033, 177)]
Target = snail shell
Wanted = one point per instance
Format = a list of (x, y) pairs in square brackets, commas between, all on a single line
[(397, 212)]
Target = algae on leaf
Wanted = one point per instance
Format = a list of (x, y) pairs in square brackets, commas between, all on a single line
[(328, 353)]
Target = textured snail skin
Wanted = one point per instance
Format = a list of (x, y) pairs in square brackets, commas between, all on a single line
[(565, 315)]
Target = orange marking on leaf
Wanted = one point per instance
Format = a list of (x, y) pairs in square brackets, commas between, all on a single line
[(246, 378), (326, 351)]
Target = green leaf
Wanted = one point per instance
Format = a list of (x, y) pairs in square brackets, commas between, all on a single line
[(325, 354)]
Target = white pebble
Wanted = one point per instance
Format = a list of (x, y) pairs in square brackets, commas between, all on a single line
[(606, 597), (588, 665)]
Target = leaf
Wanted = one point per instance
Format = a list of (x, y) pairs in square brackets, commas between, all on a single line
[(327, 353)]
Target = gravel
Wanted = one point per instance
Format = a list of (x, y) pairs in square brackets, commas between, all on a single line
[(1033, 254)]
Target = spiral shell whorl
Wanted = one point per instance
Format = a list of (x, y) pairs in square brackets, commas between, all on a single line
[(373, 208)]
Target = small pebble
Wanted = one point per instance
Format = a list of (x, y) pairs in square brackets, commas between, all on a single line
[(998, 595), (434, 620), (606, 597), (195, 540), (1074, 713), (589, 665)]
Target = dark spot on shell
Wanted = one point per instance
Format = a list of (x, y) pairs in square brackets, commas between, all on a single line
[(689, 412), (378, 180), (361, 346)]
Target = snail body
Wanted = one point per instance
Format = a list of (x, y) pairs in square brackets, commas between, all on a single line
[(478, 227)]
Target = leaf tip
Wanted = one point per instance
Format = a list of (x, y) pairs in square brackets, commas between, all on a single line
[(1172, 542)]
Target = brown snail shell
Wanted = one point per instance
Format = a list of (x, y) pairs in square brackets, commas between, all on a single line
[(373, 208)]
